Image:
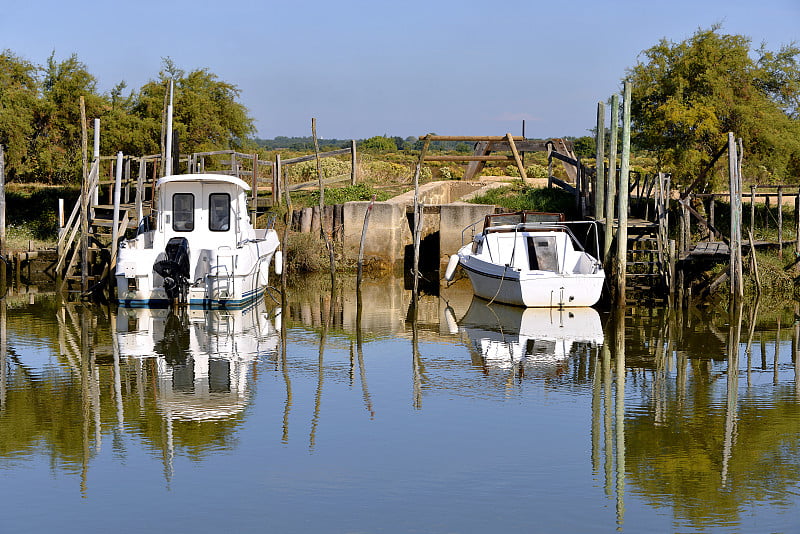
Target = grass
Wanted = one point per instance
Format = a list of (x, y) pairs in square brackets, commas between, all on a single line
[(518, 197)]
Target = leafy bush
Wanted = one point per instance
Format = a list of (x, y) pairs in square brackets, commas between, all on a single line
[(350, 193), (307, 170), (384, 171), (518, 197)]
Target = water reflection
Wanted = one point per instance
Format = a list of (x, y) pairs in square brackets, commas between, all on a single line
[(689, 414)]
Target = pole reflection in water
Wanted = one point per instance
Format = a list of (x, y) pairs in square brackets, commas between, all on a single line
[(619, 414)]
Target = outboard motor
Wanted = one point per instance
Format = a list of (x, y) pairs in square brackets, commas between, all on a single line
[(175, 269)]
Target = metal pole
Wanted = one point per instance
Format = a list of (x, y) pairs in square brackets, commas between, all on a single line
[(168, 149)]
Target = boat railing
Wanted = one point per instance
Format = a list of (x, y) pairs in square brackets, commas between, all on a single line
[(539, 226)]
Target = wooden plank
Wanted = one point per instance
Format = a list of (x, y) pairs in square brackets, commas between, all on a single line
[(476, 166), (474, 138), (469, 158), (517, 159), (312, 156), (525, 145)]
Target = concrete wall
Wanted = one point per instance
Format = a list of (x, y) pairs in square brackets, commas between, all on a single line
[(389, 230)]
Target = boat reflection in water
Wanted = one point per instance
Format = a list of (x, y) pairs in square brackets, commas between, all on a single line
[(202, 357), (535, 338)]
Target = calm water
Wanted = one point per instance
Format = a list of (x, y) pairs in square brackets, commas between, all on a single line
[(323, 416)]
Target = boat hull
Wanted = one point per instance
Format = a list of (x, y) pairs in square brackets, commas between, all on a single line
[(530, 288)]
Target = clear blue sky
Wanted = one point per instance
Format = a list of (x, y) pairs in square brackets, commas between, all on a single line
[(454, 67)]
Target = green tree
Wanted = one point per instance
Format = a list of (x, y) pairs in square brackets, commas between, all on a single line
[(688, 95), (379, 143), (19, 94), (207, 114), (56, 144)]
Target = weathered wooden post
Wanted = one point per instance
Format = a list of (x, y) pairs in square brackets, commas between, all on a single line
[(599, 182), (797, 225), (328, 244), (117, 191), (139, 197), (363, 242), (611, 182), (84, 202), (711, 215), (752, 208), (737, 289), (276, 181), (780, 221), (622, 230), (3, 204), (353, 163), (254, 192)]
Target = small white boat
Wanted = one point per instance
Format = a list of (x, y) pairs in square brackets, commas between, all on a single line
[(197, 248), (530, 259), (541, 338)]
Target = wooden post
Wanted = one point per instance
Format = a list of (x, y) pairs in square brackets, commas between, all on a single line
[(3, 250), (117, 191), (797, 224), (328, 244), (517, 159), (84, 202), (622, 230), (277, 177), (711, 215), (599, 182), (353, 163), (780, 221), (752, 208), (611, 182), (254, 192), (736, 289), (139, 197), (363, 240)]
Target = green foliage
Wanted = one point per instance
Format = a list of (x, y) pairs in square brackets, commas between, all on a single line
[(18, 106), (384, 171), (536, 171), (379, 143), (307, 170), (686, 96), (40, 123), (350, 193), (518, 197), (584, 147)]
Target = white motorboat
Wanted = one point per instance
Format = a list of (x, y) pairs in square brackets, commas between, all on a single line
[(198, 247), (530, 259), (505, 336)]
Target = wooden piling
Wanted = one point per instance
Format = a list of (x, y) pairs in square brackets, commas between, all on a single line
[(780, 222), (117, 192), (611, 182), (3, 250), (84, 203), (353, 163), (622, 230), (599, 183), (254, 192), (367, 215), (737, 289), (752, 208), (324, 234)]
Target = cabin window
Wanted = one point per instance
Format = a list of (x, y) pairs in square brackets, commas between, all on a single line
[(183, 212), (219, 205), (542, 253)]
